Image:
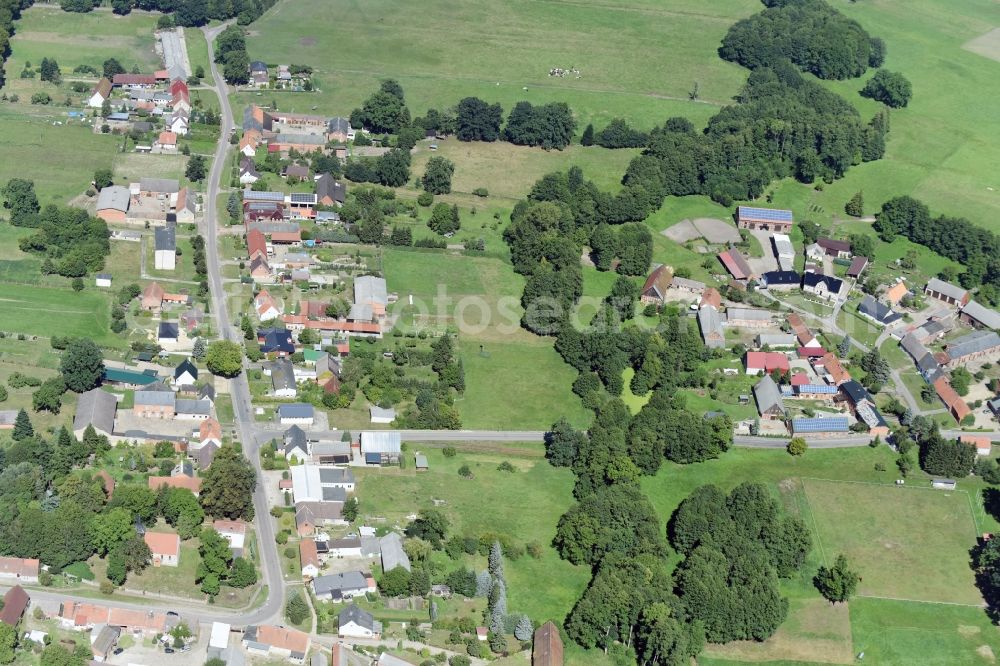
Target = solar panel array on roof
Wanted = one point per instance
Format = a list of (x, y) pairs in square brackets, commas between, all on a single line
[(303, 198), (821, 389), (821, 424), (773, 214), (250, 195)]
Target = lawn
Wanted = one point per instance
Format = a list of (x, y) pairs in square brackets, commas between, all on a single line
[(479, 298), (524, 504), (926, 533), (441, 53), (30, 309)]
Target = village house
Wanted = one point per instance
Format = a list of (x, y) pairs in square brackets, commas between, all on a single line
[(309, 558), (894, 294), (233, 531), (709, 295), (838, 249), (343, 586), (349, 546), (209, 432), (983, 445), (824, 286), (166, 142), (296, 413), (248, 172), (354, 622), (330, 191), (864, 408), (833, 368), (85, 616), (22, 570), (877, 312), (956, 406), (759, 362), (256, 244), (133, 81), (947, 292), (100, 93), (166, 548), (781, 280), (710, 324), (312, 515), (393, 553), (276, 341), (801, 331), (267, 308), (282, 378), (273, 641), (654, 290), (768, 219), (768, 397)]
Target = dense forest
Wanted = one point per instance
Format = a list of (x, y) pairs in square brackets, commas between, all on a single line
[(810, 33)]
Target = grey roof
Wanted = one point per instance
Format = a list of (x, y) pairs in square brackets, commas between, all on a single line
[(301, 139), (912, 346), (319, 659), (334, 494), (335, 475), (162, 185), (328, 186), (768, 395), (195, 407), (782, 245), (776, 339), (207, 392), (946, 288), (168, 330), (420, 461), (206, 454), (335, 584), (253, 195), (338, 124), (381, 442), (710, 322), (376, 412), (186, 366), (370, 546), (282, 374), (97, 408), (748, 314), (162, 398), (295, 438), (685, 283), (106, 639), (877, 311), (361, 312), (166, 239), (370, 289), (296, 410), (813, 280), (308, 198), (393, 554), (359, 617), (113, 197), (855, 391), (972, 343), (275, 227), (982, 314), (331, 449), (317, 512)]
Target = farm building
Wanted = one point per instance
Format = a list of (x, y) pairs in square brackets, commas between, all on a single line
[(769, 219), (768, 397), (979, 316), (947, 292)]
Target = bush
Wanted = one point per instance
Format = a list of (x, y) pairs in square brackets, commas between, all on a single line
[(449, 451), (481, 192), (41, 98), (465, 472), (425, 199)]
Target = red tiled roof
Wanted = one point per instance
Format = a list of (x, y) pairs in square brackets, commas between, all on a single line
[(283, 638), (15, 602), (811, 352), (333, 324), (658, 282), (17, 566), (256, 243), (134, 79), (210, 429), (182, 481), (286, 236), (978, 442), (735, 264), (308, 553), (161, 543), (167, 139), (951, 399), (833, 366), (800, 379), (766, 361), (711, 296), (233, 526)]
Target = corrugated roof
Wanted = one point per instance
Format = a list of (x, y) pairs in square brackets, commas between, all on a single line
[(982, 314), (113, 197), (768, 396), (946, 288)]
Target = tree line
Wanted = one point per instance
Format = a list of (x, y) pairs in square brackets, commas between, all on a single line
[(10, 11), (958, 239), (187, 13)]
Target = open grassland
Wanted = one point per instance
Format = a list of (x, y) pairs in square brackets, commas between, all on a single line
[(32, 310), (940, 147), (926, 533), (908, 542), (513, 379), (509, 171), (523, 504), (637, 59)]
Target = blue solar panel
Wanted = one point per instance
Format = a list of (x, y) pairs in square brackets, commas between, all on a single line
[(818, 388), (833, 424), (768, 214)]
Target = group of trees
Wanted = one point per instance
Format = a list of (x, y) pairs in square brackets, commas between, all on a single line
[(10, 11), (437, 175), (434, 407), (231, 53), (218, 565), (617, 134), (810, 33), (444, 219), (975, 248), (891, 88), (548, 125), (187, 13)]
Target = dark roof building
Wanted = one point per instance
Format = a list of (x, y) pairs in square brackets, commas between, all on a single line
[(820, 284), (329, 190), (15, 602), (781, 279), (877, 311), (276, 341), (96, 408)]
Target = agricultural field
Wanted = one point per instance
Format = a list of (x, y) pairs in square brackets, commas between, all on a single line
[(440, 54), (29, 309), (482, 304)]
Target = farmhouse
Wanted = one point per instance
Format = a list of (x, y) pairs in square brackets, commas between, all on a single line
[(894, 294), (113, 203), (166, 548), (769, 219), (654, 290), (100, 93), (233, 531), (256, 244), (824, 286), (355, 622), (310, 515), (134, 81), (166, 142), (709, 296), (83, 616), (282, 379), (864, 408), (983, 445), (975, 345), (267, 308), (22, 570), (776, 340), (834, 369), (309, 557), (209, 432), (349, 546), (276, 341), (547, 646), (781, 279), (857, 267), (339, 129), (248, 172), (759, 362), (343, 586), (979, 316), (875, 311), (269, 640), (329, 191), (768, 398), (95, 408), (956, 406), (710, 323), (947, 292)]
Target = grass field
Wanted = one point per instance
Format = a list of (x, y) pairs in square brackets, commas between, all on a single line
[(441, 53), (925, 532), (31, 309), (523, 504), (516, 380)]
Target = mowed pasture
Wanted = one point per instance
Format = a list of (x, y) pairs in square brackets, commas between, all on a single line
[(514, 380), (886, 530), (637, 59), (33, 310), (941, 147)]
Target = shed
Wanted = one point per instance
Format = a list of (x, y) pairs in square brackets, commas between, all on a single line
[(420, 462)]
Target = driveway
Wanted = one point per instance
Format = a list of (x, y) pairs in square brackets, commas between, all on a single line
[(768, 262)]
